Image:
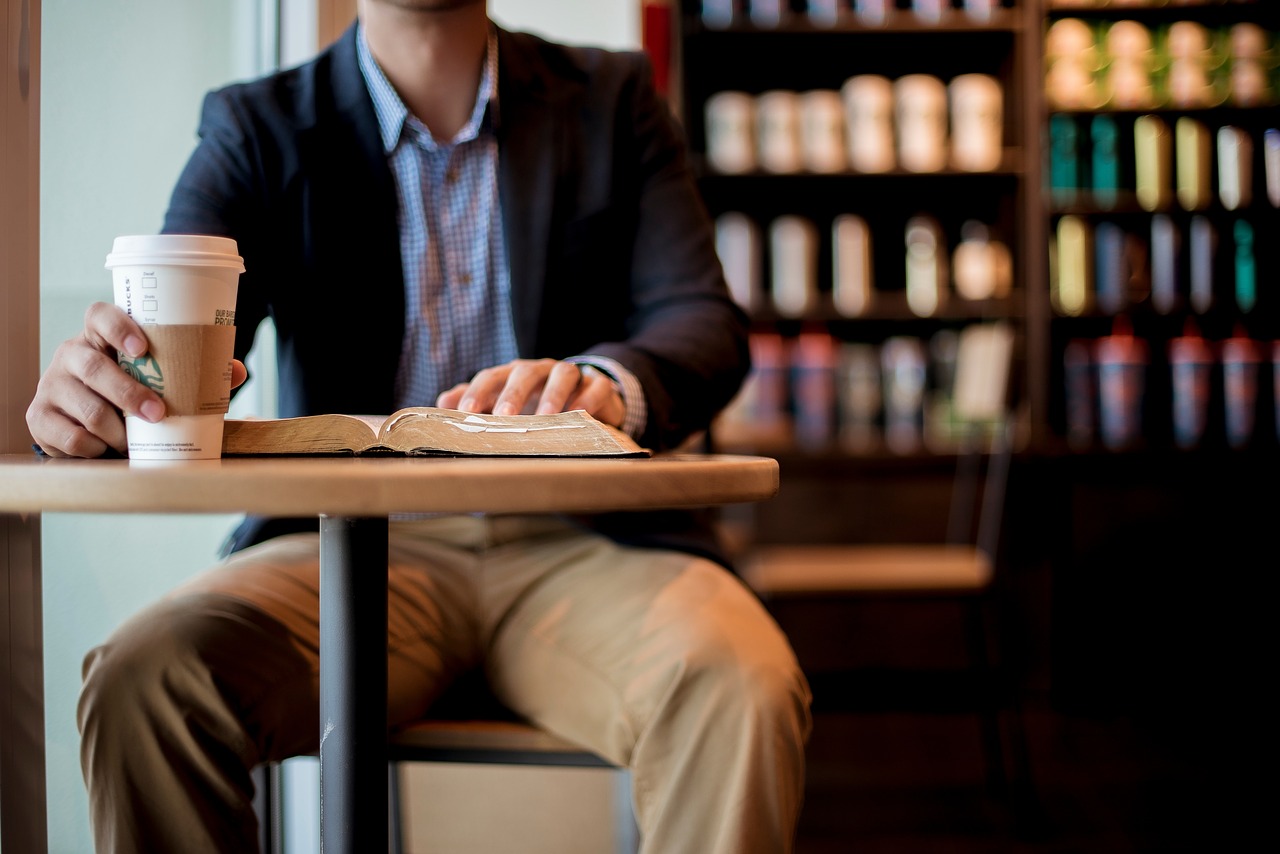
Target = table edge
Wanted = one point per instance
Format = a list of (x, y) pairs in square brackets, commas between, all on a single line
[(382, 486)]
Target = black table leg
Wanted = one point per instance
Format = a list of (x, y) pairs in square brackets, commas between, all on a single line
[(353, 685)]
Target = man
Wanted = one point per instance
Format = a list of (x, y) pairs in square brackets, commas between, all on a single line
[(439, 211)]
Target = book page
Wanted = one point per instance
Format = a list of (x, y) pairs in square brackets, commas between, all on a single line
[(433, 430), (311, 434), (430, 430)]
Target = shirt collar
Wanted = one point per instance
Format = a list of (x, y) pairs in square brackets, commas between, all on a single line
[(393, 115)]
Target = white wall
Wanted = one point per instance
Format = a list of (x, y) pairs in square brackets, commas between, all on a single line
[(607, 23)]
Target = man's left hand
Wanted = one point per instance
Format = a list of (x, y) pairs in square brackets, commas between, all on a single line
[(538, 386)]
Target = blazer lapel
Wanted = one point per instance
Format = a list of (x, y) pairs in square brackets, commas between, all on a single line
[(527, 146), (351, 211), (353, 108)]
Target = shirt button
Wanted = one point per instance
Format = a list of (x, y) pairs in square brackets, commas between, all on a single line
[(465, 278), (451, 175)]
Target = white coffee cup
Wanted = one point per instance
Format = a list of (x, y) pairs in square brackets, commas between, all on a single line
[(718, 14), (981, 10), (793, 249), (822, 131), (873, 12), (853, 272), (778, 131), (181, 288), (977, 122), (731, 137), (930, 11), (868, 113), (766, 13), (825, 13), (920, 102), (738, 245)]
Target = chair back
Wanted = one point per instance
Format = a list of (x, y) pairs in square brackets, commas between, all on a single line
[(983, 436)]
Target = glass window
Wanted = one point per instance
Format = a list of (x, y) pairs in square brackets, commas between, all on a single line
[(121, 90)]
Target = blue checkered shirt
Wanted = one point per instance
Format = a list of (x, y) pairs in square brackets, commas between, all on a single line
[(456, 278)]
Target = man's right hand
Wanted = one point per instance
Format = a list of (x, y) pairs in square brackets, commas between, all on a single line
[(77, 408)]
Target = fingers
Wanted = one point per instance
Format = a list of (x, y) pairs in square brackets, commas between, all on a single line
[(60, 436), (515, 387), (68, 416), (77, 405), (107, 328), (561, 384), (599, 396), (239, 373), (452, 398), (543, 386)]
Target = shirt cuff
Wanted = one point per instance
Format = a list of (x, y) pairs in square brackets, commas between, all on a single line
[(637, 414)]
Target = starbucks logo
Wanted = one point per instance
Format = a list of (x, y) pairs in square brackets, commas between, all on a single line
[(144, 369)]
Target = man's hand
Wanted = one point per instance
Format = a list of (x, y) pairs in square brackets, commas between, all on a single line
[(77, 408), (538, 386)]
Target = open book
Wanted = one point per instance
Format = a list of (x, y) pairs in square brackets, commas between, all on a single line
[(431, 431)]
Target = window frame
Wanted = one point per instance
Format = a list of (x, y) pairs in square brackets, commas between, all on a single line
[(22, 750)]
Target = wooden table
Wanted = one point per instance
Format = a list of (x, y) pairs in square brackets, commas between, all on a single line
[(353, 498)]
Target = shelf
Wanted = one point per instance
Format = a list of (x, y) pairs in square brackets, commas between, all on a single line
[(954, 22), (1127, 206), (801, 56), (1205, 12), (891, 307), (831, 459), (1015, 201), (753, 60), (1009, 168), (1224, 113)]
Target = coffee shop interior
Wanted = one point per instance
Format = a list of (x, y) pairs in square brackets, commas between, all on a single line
[(1015, 325)]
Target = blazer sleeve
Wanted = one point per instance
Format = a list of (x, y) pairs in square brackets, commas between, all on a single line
[(220, 192)]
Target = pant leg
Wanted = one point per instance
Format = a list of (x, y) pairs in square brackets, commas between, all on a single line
[(667, 664), (189, 694)]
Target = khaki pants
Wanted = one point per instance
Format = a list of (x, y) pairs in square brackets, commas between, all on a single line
[(657, 660)]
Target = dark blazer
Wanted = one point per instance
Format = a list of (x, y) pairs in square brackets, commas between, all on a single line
[(611, 251)]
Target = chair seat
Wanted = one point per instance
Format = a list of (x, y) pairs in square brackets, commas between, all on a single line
[(800, 570), (488, 741)]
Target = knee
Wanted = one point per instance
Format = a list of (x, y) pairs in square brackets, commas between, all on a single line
[(751, 678), (204, 666), (139, 668)]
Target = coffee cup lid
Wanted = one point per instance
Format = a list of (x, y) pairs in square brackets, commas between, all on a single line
[(1241, 350), (187, 249), (1189, 348), (1122, 348)]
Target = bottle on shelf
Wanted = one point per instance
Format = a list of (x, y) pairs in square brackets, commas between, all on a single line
[(1190, 368), (1240, 357), (852, 290), (926, 265), (793, 246), (1122, 366)]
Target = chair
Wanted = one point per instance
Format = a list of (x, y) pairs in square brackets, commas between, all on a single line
[(959, 572), (469, 726), (501, 742)]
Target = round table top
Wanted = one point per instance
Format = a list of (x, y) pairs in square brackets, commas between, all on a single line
[(378, 486)]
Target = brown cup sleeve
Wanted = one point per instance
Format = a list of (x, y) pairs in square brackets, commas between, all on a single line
[(188, 365)]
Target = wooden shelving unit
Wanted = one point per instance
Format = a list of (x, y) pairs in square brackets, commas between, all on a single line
[(1018, 199), (1154, 322), (799, 55)]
